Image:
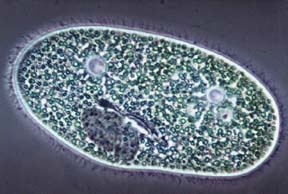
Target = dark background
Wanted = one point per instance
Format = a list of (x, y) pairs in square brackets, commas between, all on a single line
[(252, 32)]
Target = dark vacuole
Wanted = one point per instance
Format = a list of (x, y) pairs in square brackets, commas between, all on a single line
[(111, 134)]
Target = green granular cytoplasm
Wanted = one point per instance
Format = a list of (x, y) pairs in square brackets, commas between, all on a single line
[(139, 100)]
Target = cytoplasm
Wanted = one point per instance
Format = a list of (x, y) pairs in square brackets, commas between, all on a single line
[(139, 100)]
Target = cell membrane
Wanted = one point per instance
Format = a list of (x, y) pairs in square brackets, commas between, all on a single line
[(140, 100)]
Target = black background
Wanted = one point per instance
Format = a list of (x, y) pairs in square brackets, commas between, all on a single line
[(252, 32)]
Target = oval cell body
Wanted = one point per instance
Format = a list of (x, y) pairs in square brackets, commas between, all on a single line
[(140, 100)]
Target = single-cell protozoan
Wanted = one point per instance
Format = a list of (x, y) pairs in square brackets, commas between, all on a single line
[(137, 100)]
